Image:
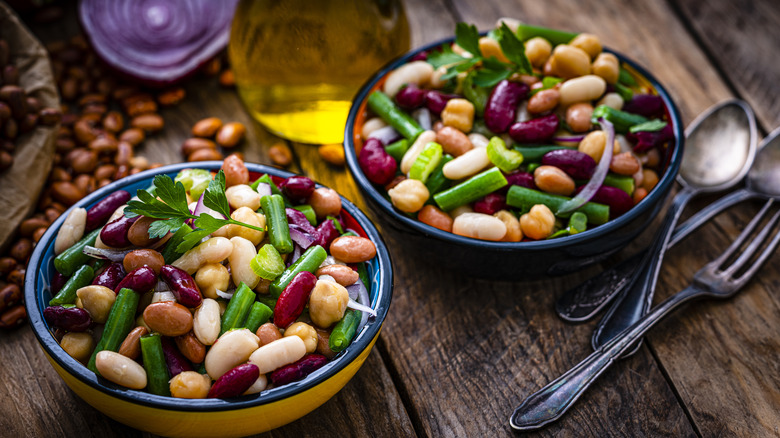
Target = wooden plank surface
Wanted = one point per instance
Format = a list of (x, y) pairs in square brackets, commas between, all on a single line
[(457, 354)]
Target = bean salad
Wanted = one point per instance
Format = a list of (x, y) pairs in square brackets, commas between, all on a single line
[(209, 285), (503, 137)]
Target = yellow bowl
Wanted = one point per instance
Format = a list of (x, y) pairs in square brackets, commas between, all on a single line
[(239, 416)]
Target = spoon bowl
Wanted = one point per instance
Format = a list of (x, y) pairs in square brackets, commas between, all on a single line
[(764, 177)]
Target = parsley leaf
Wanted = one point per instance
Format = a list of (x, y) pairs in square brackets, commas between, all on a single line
[(214, 196), (192, 239), (172, 193), (444, 56), (467, 36), (489, 78), (650, 125), (513, 49), (162, 227)]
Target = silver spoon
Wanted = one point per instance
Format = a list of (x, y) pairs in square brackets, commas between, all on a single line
[(720, 148), (584, 301)]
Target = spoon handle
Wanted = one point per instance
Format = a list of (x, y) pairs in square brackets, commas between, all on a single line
[(636, 299), (584, 301)]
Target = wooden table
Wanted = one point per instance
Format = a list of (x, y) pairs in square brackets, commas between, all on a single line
[(456, 354)]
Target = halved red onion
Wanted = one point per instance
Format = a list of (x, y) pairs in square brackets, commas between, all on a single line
[(158, 42), (115, 255), (597, 179)]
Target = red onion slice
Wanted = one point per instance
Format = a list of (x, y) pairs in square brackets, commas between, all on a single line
[(201, 208), (264, 189), (295, 255), (301, 238), (568, 139), (386, 135), (597, 179), (115, 255), (160, 41), (226, 295)]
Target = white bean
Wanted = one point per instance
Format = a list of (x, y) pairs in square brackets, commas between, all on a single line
[(372, 125), (243, 253), (612, 100), (582, 89), (206, 322), (231, 349), (214, 250), (411, 154), (479, 226), (416, 72), (121, 370), (278, 353), (72, 230), (160, 297), (467, 164), (258, 386), (478, 140), (242, 196)]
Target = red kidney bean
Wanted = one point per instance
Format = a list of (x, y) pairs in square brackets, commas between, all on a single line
[(501, 106), (296, 217), (436, 100), (491, 203), (420, 56), (114, 234), (576, 164), (534, 130), (57, 281), (141, 280), (173, 358), (235, 382), (182, 285), (619, 201), (378, 166), (298, 370), (71, 319), (10, 295), (648, 105), (326, 233), (646, 140), (111, 276), (297, 188), (293, 299), (519, 178), (410, 97), (99, 213)]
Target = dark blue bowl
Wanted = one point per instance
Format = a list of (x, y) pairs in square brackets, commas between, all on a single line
[(204, 412), (512, 260)]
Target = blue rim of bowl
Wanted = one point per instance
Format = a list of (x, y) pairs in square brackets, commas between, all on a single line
[(664, 184), (383, 278)]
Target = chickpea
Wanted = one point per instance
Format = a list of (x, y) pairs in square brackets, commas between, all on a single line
[(649, 179), (593, 145), (568, 62), (490, 47), (248, 216), (409, 195), (97, 301), (538, 223), (78, 345), (327, 303), (190, 384), (436, 218), (612, 100), (587, 42), (463, 209), (211, 277), (538, 50), (325, 202), (304, 331), (242, 196), (551, 179), (513, 231), (606, 65), (458, 113)]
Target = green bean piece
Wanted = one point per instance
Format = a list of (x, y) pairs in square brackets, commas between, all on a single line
[(524, 198), (308, 211), (625, 92), (344, 331), (475, 94), (437, 181), (532, 166), (470, 190), (278, 228), (310, 260), (237, 308), (426, 162), (157, 375), (259, 314), (349, 233), (121, 319), (398, 149), (622, 120), (381, 104), (265, 178), (336, 224), (547, 83), (625, 78), (200, 368), (98, 264), (505, 159), (268, 300), (534, 154), (625, 183), (72, 258), (554, 36), (362, 270), (578, 222), (479, 127), (170, 253), (67, 295)]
